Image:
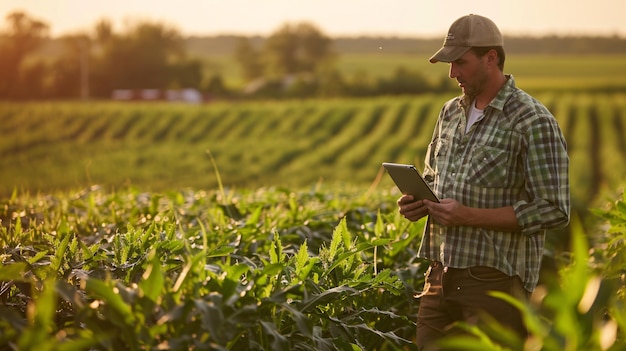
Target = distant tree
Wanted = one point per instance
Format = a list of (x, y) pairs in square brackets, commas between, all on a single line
[(279, 52), (314, 48), (186, 74), (216, 87), (360, 84), (103, 31), (23, 36), (249, 59), (404, 81), (71, 74), (31, 81), (332, 84), (65, 78), (150, 55), (292, 62), (295, 49), (141, 58)]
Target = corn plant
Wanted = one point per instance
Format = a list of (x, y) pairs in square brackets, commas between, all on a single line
[(186, 270), (582, 308)]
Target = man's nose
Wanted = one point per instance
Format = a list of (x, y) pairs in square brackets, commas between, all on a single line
[(453, 73)]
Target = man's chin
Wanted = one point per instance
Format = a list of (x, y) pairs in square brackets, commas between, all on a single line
[(468, 96), (467, 91)]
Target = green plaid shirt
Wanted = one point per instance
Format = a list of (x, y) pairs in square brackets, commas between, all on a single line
[(514, 155)]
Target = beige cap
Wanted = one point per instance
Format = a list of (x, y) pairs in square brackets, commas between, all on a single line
[(467, 32)]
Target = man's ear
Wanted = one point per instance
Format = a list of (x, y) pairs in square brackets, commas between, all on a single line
[(492, 57)]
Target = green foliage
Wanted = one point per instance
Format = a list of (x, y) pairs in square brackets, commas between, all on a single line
[(296, 48), (84, 65), (153, 56), (264, 270), (609, 255), (583, 308), (158, 147), (137, 271), (24, 35)]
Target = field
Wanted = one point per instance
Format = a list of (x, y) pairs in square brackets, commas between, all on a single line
[(534, 73), (261, 270), (293, 144), (271, 226)]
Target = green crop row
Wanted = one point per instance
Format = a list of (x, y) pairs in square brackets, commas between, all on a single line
[(264, 270), (209, 271), (62, 146), (269, 269)]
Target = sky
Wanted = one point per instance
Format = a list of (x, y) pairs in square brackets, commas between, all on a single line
[(404, 18)]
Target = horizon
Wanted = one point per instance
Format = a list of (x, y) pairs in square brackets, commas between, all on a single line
[(348, 18)]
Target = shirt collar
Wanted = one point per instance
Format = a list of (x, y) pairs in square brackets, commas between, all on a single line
[(504, 94)]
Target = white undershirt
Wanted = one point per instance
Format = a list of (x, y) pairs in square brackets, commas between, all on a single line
[(473, 115)]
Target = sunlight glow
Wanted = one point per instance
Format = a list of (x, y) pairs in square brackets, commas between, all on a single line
[(336, 18)]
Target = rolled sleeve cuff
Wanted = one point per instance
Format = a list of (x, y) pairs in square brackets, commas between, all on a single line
[(527, 217), (534, 217)]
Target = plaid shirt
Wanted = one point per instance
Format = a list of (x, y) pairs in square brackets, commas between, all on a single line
[(514, 155)]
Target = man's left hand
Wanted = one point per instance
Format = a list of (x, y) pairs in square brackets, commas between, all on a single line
[(448, 212)]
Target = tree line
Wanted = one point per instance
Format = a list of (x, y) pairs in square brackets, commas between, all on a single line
[(297, 60), (547, 44), (92, 64)]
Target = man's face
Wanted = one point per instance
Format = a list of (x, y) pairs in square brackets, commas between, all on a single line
[(470, 71)]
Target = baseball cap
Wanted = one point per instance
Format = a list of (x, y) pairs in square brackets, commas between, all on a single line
[(467, 32)]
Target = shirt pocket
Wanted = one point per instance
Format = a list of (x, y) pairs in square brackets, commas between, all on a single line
[(488, 167)]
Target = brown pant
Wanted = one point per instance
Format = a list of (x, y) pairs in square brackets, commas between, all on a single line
[(452, 295)]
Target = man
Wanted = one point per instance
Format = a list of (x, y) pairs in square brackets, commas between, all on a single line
[(499, 163)]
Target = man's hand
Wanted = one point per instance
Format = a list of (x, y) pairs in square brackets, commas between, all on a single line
[(448, 212), (445, 212), (411, 209)]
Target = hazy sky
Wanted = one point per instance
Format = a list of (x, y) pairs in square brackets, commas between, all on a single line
[(332, 17)]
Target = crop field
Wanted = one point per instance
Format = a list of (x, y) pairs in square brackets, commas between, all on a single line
[(534, 73), (260, 270), (294, 144), (269, 225)]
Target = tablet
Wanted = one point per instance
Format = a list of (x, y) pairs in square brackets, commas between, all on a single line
[(409, 181)]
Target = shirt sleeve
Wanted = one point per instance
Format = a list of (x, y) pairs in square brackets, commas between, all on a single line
[(547, 179)]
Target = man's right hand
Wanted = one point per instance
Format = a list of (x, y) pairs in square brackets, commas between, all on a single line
[(411, 209)]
